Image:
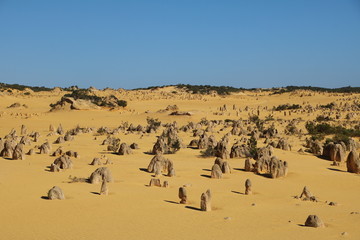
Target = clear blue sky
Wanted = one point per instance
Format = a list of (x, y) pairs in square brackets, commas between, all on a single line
[(131, 44)]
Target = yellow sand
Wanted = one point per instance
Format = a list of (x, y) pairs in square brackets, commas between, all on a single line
[(134, 211)]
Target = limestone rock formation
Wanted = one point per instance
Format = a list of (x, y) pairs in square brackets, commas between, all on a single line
[(182, 195), (56, 193), (124, 149), (96, 162), (63, 162), (101, 174), (23, 130), (69, 103), (306, 195), (239, 150), (216, 172), (353, 162), (166, 184), (68, 137), (337, 153), (155, 182), (221, 149), (284, 144), (134, 146), (314, 221), (168, 142), (58, 152), (225, 168), (59, 140), (206, 141), (60, 130), (171, 169), (45, 148), (161, 165), (157, 168), (248, 187), (104, 190), (71, 153), (31, 152), (8, 149), (248, 165), (194, 143), (271, 166), (54, 168), (205, 204), (18, 153)]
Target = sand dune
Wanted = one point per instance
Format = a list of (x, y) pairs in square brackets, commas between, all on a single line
[(134, 211)]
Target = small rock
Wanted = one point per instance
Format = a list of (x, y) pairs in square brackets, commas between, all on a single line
[(166, 184), (333, 204), (314, 221), (155, 182)]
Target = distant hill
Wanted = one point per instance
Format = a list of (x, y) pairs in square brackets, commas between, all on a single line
[(203, 89), (23, 87), (319, 89), (225, 90)]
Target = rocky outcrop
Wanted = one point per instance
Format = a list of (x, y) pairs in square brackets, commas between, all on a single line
[(69, 103)]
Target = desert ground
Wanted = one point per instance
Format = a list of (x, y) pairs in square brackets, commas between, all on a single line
[(134, 210)]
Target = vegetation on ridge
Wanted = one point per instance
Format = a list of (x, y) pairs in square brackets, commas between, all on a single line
[(22, 87), (110, 101), (204, 89)]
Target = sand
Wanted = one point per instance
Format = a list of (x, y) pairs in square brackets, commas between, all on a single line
[(134, 211)]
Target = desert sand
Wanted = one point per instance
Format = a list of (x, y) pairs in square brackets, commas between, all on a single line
[(132, 210)]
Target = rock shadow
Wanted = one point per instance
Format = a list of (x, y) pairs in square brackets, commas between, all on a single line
[(206, 176), (173, 202), (337, 170), (143, 169), (239, 169), (47, 169), (192, 147), (148, 153), (193, 208), (323, 158), (238, 192)]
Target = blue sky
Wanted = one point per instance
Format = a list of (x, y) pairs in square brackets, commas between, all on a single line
[(131, 44)]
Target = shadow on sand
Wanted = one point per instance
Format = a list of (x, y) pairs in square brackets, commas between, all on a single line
[(206, 176), (337, 170), (238, 192), (193, 208), (173, 202)]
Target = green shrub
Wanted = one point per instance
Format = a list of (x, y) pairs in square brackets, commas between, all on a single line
[(329, 105), (269, 117), (253, 146), (341, 138), (110, 101), (322, 118), (208, 152), (22, 87), (327, 129), (287, 107), (153, 123)]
